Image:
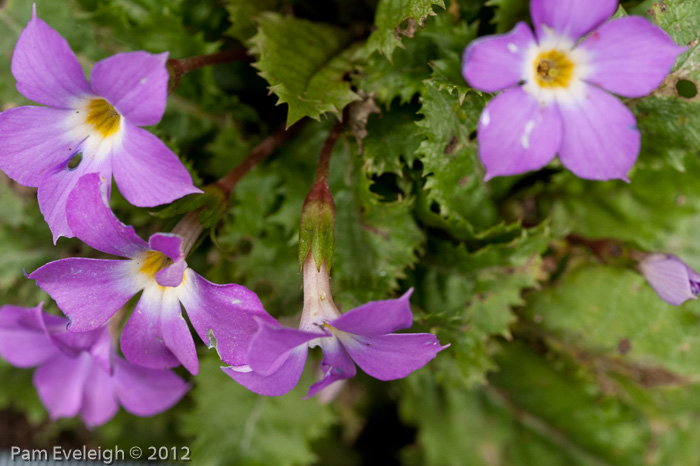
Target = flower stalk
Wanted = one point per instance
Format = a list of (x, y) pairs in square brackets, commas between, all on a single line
[(257, 155), (188, 228), (178, 67)]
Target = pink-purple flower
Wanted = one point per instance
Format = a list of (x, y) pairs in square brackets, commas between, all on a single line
[(97, 123), (81, 374), (554, 83), (670, 277), (90, 291), (362, 336)]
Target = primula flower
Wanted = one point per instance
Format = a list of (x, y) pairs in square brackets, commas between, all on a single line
[(554, 98), (90, 291), (98, 121), (81, 373), (362, 336), (670, 277)]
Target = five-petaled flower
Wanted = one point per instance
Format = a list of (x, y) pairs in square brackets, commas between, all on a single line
[(362, 336), (554, 98), (97, 124), (81, 373), (90, 291), (670, 277)]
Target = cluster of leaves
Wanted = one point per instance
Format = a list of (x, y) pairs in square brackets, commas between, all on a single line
[(557, 356)]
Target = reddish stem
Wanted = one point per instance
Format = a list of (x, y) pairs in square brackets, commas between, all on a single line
[(326, 151), (257, 155), (179, 66), (604, 249)]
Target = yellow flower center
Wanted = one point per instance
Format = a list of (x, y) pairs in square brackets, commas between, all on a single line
[(153, 262), (553, 69), (103, 117)]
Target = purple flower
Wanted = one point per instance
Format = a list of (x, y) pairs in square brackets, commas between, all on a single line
[(362, 336), (554, 98), (81, 373), (99, 121), (90, 291), (670, 277)]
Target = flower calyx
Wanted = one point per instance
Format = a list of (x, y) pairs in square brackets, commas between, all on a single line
[(317, 227)]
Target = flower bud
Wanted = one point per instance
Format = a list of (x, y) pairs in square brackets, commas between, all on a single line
[(670, 277)]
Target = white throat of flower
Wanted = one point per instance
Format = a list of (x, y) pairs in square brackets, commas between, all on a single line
[(554, 70), (96, 123), (319, 308)]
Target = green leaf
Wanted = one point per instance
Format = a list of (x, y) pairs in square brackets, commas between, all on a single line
[(469, 297), (679, 18), (508, 13), (390, 15), (305, 64), (645, 212), (606, 305), (369, 260), (480, 428), (231, 425), (243, 13), (434, 51), (577, 397), (567, 403), (391, 143), (454, 176)]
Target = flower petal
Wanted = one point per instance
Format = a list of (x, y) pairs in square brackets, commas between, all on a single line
[(495, 62), (272, 344), (630, 56), (23, 340), (336, 365), (517, 134), (279, 382), (669, 277), (170, 245), (601, 140), (147, 172), (34, 140), (142, 339), (144, 391), (45, 67), (102, 351), (56, 185), (99, 403), (377, 317), (92, 221), (135, 83), (176, 334), (394, 356), (572, 18), (73, 344), (167, 243), (60, 383), (224, 316), (88, 291)]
